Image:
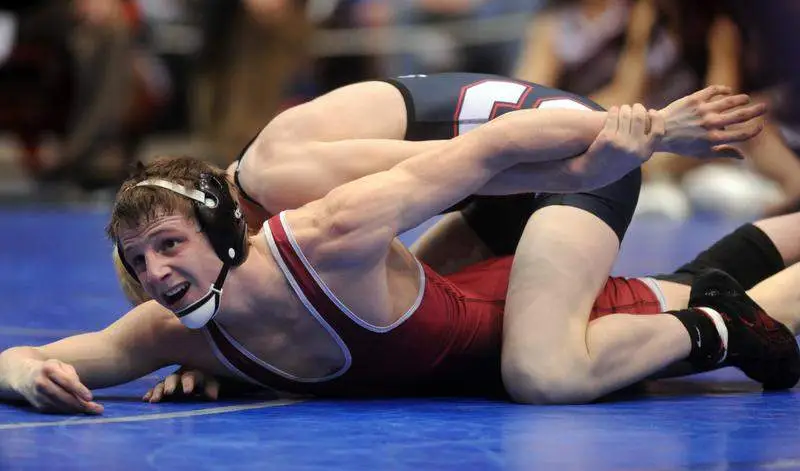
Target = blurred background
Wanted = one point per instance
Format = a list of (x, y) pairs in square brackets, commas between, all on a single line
[(89, 86)]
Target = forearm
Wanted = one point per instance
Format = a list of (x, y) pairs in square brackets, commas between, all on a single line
[(432, 181), (136, 344), (563, 155), (11, 362), (608, 158), (537, 136), (296, 175)]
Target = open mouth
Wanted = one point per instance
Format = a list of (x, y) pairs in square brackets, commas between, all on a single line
[(176, 293)]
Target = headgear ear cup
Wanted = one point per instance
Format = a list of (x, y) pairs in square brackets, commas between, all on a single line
[(222, 220)]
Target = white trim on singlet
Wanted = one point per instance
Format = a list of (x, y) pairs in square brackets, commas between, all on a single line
[(348, 359), (324, 287), (224, 360), (244, 351), (656, 289)]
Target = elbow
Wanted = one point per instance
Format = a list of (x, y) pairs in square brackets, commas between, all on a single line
[(337, 218), (20, 353)]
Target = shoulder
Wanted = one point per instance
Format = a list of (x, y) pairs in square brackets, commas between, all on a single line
[(329, 233)]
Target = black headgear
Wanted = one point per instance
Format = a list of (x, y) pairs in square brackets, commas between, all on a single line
[(217, 213), (222, 221)]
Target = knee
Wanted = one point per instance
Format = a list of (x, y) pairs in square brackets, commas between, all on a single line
[(548, 381)]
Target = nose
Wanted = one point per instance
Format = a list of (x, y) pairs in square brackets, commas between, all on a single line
[(157, 267)]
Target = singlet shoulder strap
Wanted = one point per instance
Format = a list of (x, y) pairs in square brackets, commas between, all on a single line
[(236, 180)]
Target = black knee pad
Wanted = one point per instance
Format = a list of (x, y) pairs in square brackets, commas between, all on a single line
[(500, 220), (747, 254)]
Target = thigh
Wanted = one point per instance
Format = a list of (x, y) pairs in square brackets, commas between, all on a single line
[(499, 221), (364, 110), (562, 263)]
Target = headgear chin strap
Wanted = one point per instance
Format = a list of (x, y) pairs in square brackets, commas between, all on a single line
[(223, 223), (197, 314)]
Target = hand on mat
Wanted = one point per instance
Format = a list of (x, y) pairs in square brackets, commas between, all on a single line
[(53, 386), (183, 384), (706, 123)]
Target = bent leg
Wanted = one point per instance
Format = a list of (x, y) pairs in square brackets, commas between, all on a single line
[(763, 257), (562, 261), (365, 110), (779, 297), (572, 359), (551, 352)]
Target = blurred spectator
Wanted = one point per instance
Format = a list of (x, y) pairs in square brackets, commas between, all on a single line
[(252, 51), (772, 35), (614, 51), (461, 35), (721, 43), (73, 71), (653, 51), (336, 71)]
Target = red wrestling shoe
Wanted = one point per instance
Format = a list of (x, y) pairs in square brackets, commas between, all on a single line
[(763, 348)]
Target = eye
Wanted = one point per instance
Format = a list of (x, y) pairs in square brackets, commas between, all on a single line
[(169, 244)]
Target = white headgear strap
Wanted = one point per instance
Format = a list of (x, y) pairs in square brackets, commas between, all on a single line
[(190, 193)]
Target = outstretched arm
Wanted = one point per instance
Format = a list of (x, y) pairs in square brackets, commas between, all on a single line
[(280, 175), (58, 377)]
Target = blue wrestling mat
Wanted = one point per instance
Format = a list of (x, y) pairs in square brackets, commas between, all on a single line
[(56, 279)]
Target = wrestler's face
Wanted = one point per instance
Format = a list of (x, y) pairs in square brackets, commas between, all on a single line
[(172, 259)]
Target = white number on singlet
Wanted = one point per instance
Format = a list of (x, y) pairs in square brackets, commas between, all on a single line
[(480, 101), (562, 103)]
